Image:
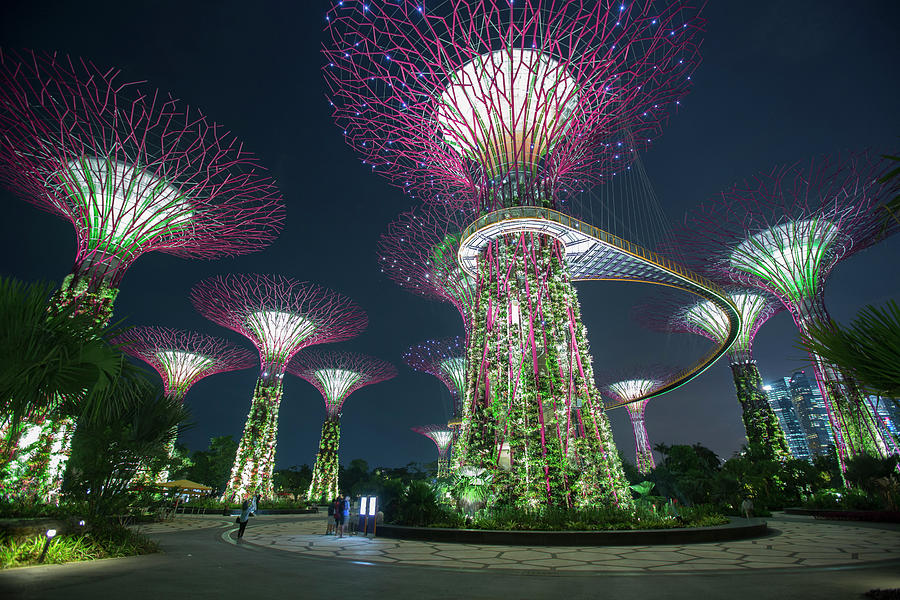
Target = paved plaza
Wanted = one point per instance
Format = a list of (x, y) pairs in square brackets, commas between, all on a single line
[(287, 556)]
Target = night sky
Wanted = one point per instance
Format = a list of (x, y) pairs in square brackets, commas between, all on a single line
[(779, 82)]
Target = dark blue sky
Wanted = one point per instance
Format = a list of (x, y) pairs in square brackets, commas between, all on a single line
[(780, 81)]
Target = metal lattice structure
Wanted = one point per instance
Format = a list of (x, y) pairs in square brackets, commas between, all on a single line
[(134, 171), (182, 358), (488, 98), (444, 358), (783, 231), (336, 375), (512, 106), (632, 388), (280, 316), (442, 436), (418, 252)]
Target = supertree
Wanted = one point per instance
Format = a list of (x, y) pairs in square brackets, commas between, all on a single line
[(134, 171), (280, 316), (418, 252), (336, 375), (783, 231), (673, 314), (182, 358), (631, 388), (444, 358), (514, 106), (442, 436)]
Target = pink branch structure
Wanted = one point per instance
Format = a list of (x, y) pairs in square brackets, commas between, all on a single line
[(491, 99), (783, 231), (493, 105), (631, 388), (418, 252), (445, 359), (336, 375), (442, 436), (280, 316), (669, 314), (134, 171), (182, 358)]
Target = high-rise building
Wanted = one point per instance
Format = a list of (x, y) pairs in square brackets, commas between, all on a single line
[(780, 399), (813, 414), (887, 415)]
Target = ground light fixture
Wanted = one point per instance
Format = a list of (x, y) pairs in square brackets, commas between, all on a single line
[(51, 533)]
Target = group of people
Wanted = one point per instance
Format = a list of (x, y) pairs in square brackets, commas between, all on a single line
[(339, 512)]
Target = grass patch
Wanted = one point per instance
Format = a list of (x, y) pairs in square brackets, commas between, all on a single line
[(103, 540)]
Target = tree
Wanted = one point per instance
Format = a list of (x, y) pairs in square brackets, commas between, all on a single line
[(213, 465), (294, 480)]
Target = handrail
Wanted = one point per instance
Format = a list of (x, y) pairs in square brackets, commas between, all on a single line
[(702, 286)]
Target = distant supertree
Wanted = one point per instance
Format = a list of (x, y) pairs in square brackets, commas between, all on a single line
[(442, 436), (336, 375), (784, 231), (182, 358), (445, 359), (631, 388), (134, 171), (418, 252), (508, 105), (280, 316), (672, 314)]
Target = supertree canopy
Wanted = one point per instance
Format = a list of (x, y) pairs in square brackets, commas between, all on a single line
[(280, 316), (442, 436), (631, 388), (182, 358), (336, 375), (418, 252), (504, 106), (784, 231), (765, 436), (445, 359), (134, 171)]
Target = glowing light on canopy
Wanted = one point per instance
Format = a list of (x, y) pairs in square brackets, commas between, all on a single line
[(455, 368), (125, 207), (636, 409), (508, 107), (336, 383), (279, 333), (789, 256), (631, 389), (181, 367)]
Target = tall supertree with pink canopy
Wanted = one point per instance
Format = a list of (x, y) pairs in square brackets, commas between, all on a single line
[(442, 436), (512, 108), (783, 231), (336, 375), (445, 358), (631, 388), (182, 358), (281, 316), (418, 252), (134, 171), (676, 314)]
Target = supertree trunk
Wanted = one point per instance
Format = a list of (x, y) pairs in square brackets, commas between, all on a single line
[(529, 364), (642, 450), (324, 482), (855, 430), (764, 434), (255, 458)]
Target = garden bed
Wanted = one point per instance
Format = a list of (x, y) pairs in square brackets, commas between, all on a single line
[(877, 516), (737, 529)]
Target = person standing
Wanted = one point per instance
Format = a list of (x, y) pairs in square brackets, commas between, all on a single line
[(245, 516), (329, 529), (345, 505), (339, 515)]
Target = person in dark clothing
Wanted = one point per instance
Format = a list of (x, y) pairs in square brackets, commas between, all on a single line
[(245, 516)]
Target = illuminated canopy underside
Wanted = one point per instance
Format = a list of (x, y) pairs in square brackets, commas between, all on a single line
[(122, 207), (455, 368), (711, 319), (632, 389), (336, 383), (279, 333), (181, 367), (441, 438), (788, 256), (509, 107)]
